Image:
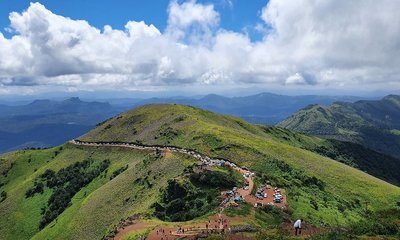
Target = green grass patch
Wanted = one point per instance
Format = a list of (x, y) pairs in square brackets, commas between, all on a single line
[(244, 209)]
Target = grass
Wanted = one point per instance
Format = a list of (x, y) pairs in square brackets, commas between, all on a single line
[(361, 122), (276, 155), (97, 208), (252, 145), (244, 209), (137, 235)]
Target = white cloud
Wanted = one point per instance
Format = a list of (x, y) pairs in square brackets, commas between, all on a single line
[(192, 20), (352, 39), (296, 79), (332, 43)]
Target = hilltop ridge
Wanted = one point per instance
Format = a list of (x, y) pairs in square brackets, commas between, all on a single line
[(374, 124)]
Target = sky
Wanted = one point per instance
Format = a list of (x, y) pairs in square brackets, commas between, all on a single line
[(193, 47)]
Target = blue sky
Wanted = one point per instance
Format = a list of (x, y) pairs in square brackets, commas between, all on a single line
[(235, 15), (199, 46)]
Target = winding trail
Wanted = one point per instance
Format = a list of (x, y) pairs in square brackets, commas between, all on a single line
[(219, 222), (205, 159)]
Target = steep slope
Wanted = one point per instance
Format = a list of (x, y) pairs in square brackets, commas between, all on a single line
[(355, 155), (98, 206), (374, 124), (251, 145)]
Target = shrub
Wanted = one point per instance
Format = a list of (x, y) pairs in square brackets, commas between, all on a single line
[(3, 196), (182, 201), (65, 184), (118, 171), (216, 179), (38, 187), (334, 235), (314, 204), (380, 223)]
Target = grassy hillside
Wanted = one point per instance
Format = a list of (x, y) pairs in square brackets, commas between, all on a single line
[(319, 188), (355, 155), (96, 207), (374, 124), (94, 200)]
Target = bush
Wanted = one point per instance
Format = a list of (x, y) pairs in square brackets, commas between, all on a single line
[(278, 214), (384, 223), (215, 179), (182, 201), (65, 184), (38, 187), (334, 235), (3, 196), (118, 171), (314, 204)]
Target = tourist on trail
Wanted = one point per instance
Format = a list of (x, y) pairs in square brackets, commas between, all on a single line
[(297, 227)]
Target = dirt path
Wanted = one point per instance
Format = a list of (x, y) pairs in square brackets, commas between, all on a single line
[(205, 159), (306, 231), (217, 223), (134, 227)]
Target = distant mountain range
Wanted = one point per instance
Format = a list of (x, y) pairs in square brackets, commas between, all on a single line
[(374, 124), (45, 123), (263, 108)]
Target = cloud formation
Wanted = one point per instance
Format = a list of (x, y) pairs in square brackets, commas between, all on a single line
[(332, 43)]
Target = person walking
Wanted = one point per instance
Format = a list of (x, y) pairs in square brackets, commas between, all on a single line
[(297, 227)]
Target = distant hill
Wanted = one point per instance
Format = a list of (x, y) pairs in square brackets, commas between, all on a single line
[(46, 123), (263, 108), (374, 124)]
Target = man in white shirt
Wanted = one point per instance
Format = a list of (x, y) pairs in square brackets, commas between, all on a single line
[(297, 227)]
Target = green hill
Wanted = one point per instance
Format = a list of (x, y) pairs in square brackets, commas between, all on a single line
[(98, 206), (374, 124), (97, 187), (231, 138), (355, 155)]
